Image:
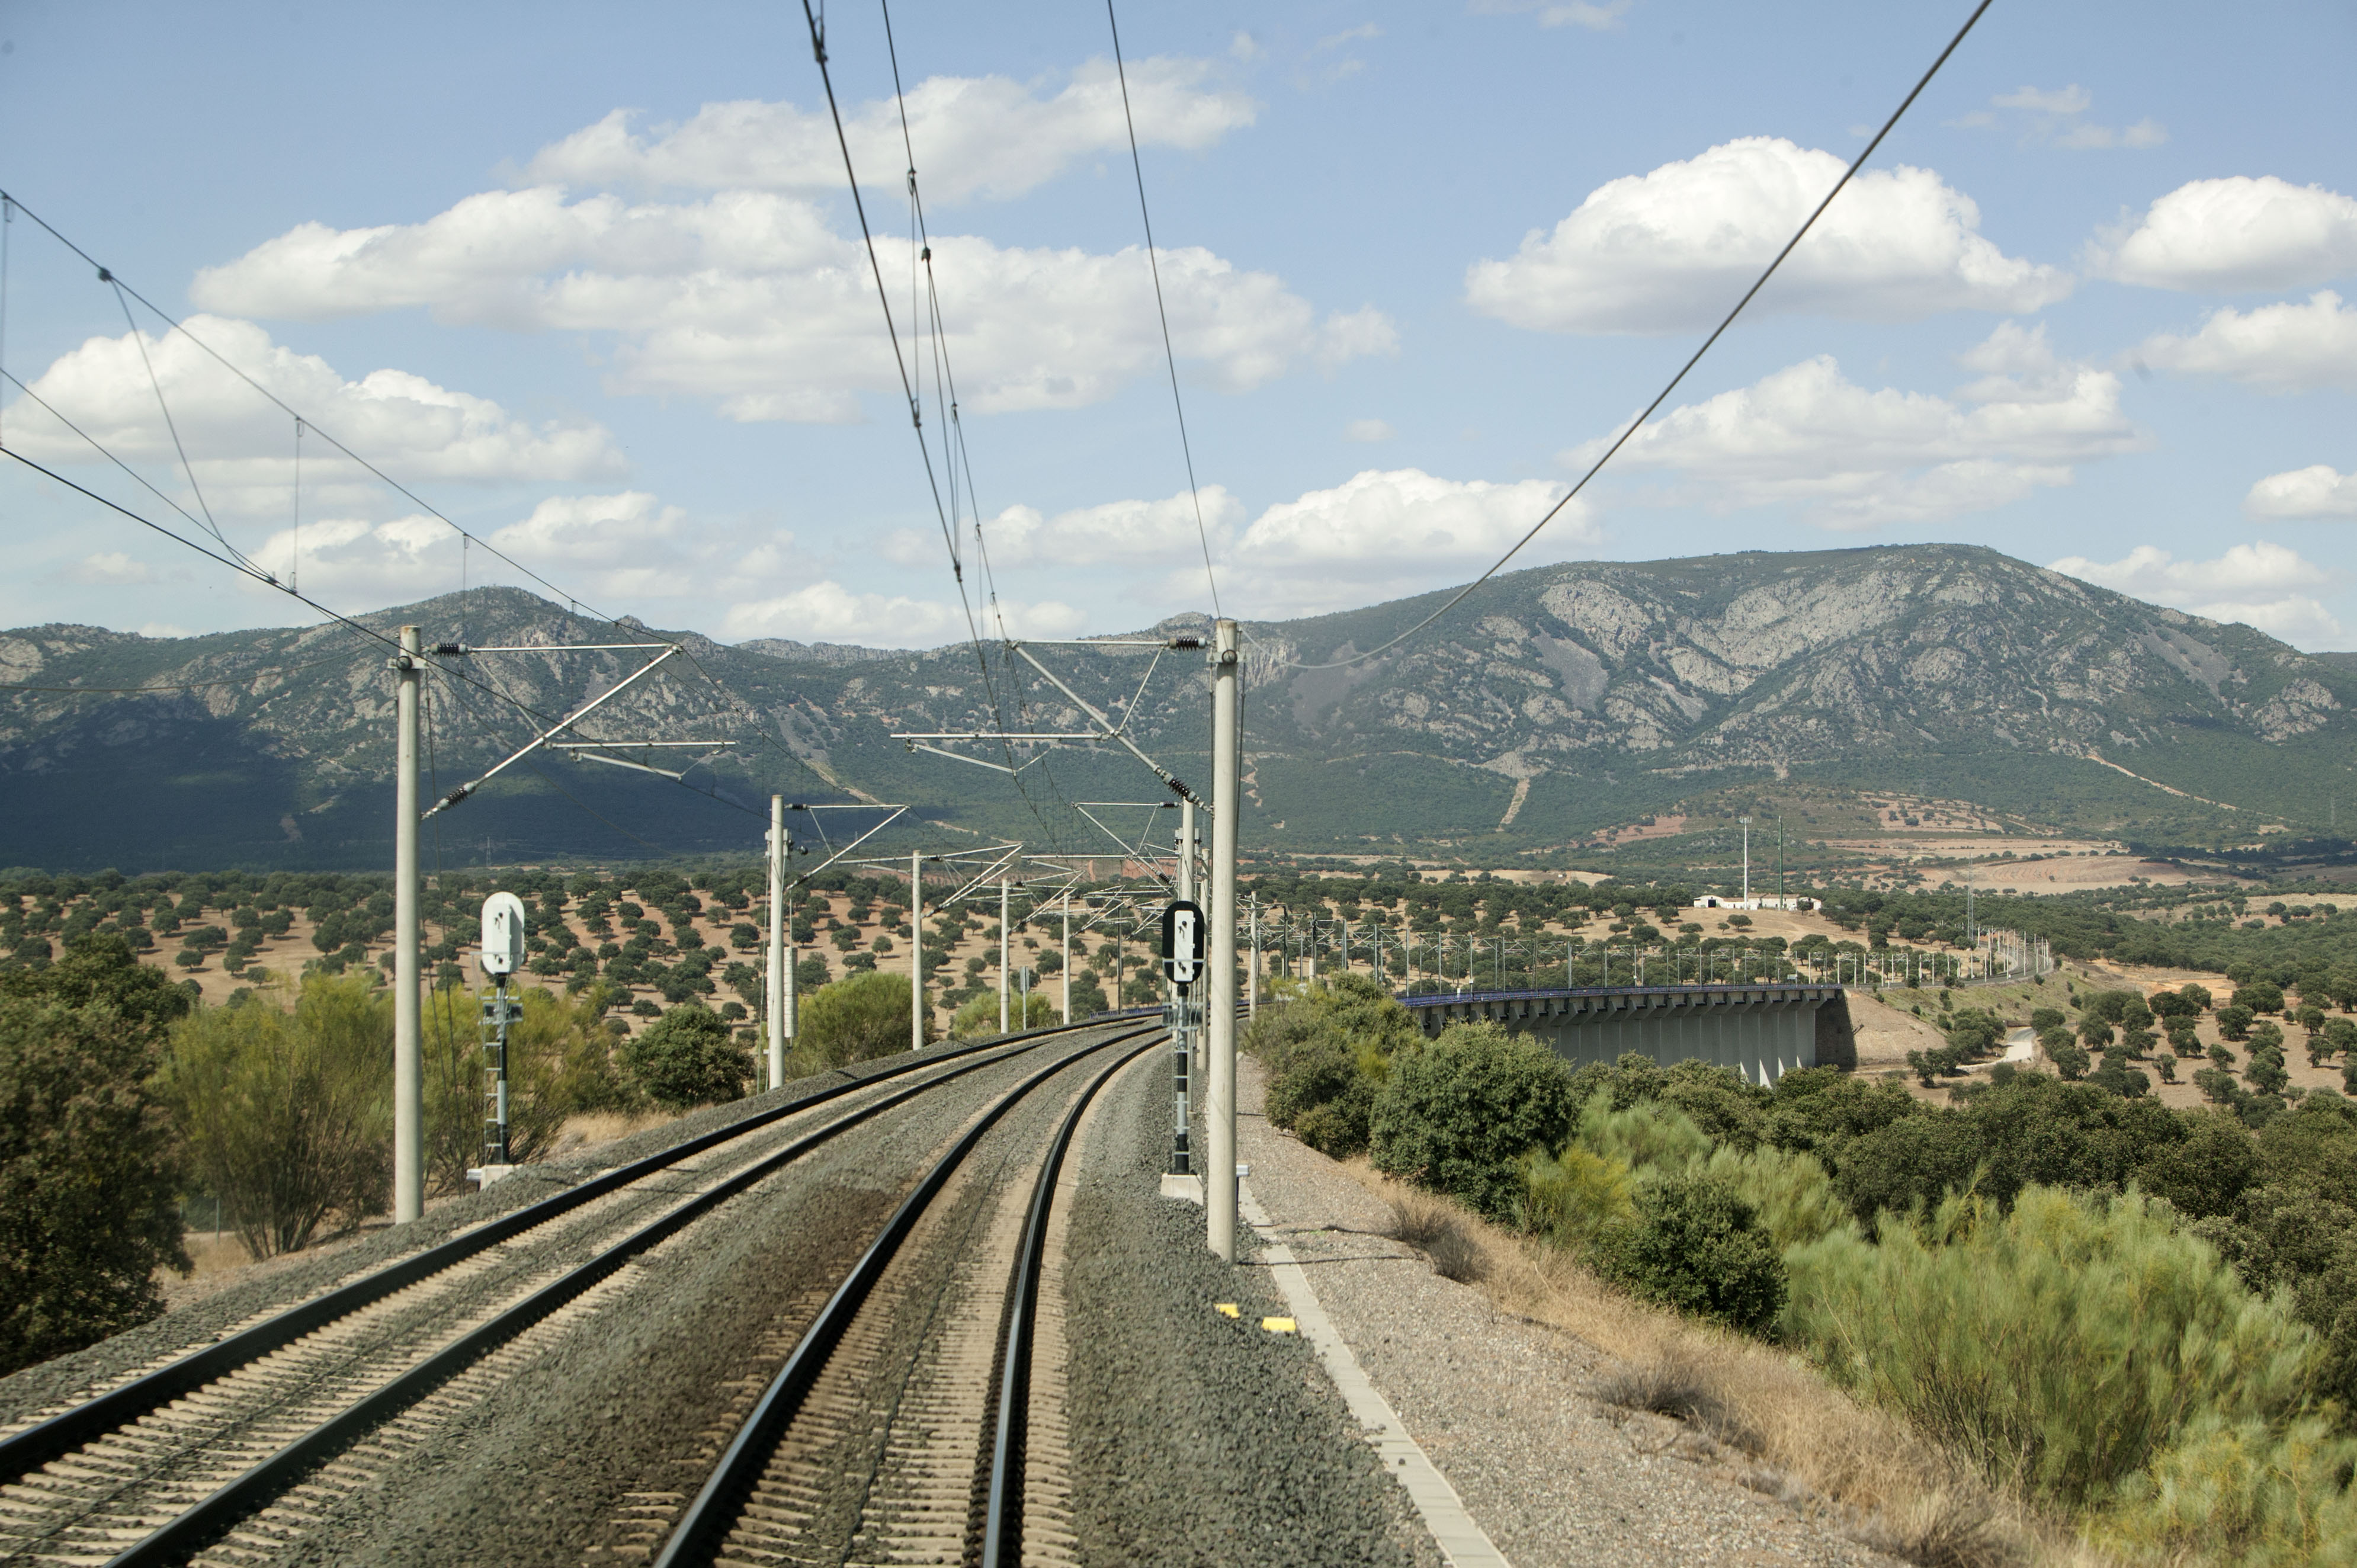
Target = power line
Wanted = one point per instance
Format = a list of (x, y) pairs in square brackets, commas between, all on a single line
[(1162, 312), (9, 205), (109, 276), (1622, 439)]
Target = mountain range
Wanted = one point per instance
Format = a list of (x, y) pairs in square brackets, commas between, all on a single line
[(1554, 702)]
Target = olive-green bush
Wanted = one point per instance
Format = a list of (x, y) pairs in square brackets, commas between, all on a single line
[(1694, 1245), (857, 1019), (286, 1102), (1458, 1114), (688, 1056)]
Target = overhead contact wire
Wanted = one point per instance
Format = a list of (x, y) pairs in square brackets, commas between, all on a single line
[(1622, 439), (1162, 311)]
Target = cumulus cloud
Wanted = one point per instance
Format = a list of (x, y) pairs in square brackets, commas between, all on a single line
[(2235, 233), (242, 447), (751, 299), (1809, 438), (829, 612), (2260, 584), (2281, 347), (973, 136), (1128, 533), (1383, 533), (1672, 250), (2316, 491), (1369, 430), (355, 561)]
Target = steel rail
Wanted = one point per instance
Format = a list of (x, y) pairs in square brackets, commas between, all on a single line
[(204, 1522), (60, 1434), (1001, 1534), (703, 1528)]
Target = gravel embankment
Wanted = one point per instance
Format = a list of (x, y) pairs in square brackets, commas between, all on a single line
[(583, 1452), (1197, 1438), (295, 1279), (1501, 1404)]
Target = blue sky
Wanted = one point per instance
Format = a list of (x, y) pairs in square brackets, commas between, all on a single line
[(586, 279)]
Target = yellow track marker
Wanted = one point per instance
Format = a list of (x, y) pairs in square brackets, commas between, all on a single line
[(1277, 1324), (1226, 1308)]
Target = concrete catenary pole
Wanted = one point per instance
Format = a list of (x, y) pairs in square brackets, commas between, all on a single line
[(408, 1057), (1220, 1180), (1746, 860), (773, 994), (1002, 956), (786, 981), (916, 951), (1067, 970), (1252, 970)]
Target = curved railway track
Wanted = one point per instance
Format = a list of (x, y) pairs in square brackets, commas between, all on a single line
[(155, 1470), (895, 1428)]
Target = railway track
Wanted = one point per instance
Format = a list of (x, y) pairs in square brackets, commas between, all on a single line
[(896, 1428), (169, 1463)]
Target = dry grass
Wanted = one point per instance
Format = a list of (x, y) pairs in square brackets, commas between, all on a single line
[(595, 1127), (1889, 1487), (1437, 1228)]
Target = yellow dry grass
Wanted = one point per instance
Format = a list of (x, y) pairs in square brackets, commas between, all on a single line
[(1890, 1488)]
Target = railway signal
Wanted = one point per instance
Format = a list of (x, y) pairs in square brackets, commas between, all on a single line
[(502, 955)]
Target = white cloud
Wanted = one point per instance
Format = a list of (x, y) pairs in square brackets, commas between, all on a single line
[(110, 569), (1129, 532), (1604, 17), (2282, 348), (1369, 430), (751, 299), (2052, 115), (353, 561), (2145, 133), (244, 447), (1350, 36), (987, 136), (2260, 584), (829, 612), (2317, 491), (2235, 233), (1379, 535), (1808, 437), (2072, 100), (1672, 250)]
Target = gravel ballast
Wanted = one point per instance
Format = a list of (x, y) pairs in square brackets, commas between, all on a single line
[(1501, 1404), (1198, 1438)]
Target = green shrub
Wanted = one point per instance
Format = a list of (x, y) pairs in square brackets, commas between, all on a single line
[(1568, 1199), (1458, 1114), (2062, 1345), (1647, 1135), (560, 1064), (979, 1018), (1328, 1051), (90, 1163), (857, 1019), (1694, 1245), (1794, 1198), (288, 1108), (688, 1056)]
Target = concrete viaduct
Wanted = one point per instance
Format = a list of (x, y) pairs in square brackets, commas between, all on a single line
[(1762, 1031)]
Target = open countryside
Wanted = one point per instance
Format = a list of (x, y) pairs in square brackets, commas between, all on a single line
[(1518, 784)]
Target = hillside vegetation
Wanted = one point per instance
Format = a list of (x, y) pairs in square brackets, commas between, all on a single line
[(1563, 701)]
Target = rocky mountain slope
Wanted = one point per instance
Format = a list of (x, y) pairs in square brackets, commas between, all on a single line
[(1555, 701)]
